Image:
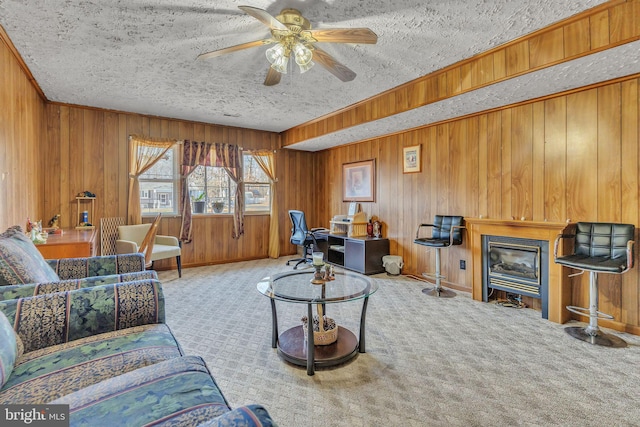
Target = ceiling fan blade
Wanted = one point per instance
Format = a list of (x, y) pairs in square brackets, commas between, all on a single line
[(333, 66), (235, 48), (273, 77), (344, 35), (265, 17)]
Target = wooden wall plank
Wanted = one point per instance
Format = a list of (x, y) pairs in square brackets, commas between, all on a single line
[(483, 169), (576, 38), (65, 207), (582, 156), (52, 152), (522, 162), (538, 163), (624, 21), (506, 202), (608, 146), (555, 151), (599, 29), (546, 48), (494, 165), (110, 168), (76, 163)]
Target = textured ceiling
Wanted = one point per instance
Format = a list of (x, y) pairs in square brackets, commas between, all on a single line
[(139, 56)]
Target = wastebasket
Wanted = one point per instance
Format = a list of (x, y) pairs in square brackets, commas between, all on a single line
[(392, 264)]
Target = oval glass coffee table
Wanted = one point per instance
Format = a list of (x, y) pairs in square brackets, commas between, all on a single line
[(296, 287)]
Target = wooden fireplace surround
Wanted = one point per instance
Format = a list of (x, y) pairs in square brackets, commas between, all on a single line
[(559, 290)]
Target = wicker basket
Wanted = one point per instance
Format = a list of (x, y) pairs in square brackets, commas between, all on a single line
[(322, 335)]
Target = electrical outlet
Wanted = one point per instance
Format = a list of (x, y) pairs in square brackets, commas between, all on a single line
[(463, 264)]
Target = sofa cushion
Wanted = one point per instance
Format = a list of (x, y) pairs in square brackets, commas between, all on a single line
[(77, 268), (50, 319), (8, 349), (20, 260), (28, 290), (164, 252), (47, 374), (176, 392)]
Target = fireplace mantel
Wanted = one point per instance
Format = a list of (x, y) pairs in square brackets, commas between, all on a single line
[(559, 287)]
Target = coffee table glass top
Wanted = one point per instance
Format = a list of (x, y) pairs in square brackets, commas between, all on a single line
[(296, 286)]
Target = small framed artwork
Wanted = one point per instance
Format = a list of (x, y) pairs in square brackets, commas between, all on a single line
[(358, 181), (411, 159)]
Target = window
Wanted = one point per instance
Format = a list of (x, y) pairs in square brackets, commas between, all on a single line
[(257, 189), (159, 186), (213, 186)]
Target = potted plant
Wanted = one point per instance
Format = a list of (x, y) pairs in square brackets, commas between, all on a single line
[(199, 203), (217, 206)]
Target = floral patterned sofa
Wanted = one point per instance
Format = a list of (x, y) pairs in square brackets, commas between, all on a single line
[(100, 345)]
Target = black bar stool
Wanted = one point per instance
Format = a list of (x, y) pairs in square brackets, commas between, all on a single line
[(598, 248), (446, 231)]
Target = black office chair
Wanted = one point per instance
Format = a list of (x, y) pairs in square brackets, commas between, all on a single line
[(598, 248), (301, 236), (446, 231)]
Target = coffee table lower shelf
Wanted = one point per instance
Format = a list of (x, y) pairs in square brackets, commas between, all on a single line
[(292, 347)]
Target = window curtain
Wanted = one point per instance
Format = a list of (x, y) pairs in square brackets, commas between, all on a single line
[(230, 157), (227, 156), (144, 152), (266, 160)]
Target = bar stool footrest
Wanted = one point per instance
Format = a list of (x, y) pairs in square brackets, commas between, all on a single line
[(583, 311)]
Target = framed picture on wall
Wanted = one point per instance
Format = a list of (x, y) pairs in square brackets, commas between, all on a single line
[(359, 181), (411, 159)]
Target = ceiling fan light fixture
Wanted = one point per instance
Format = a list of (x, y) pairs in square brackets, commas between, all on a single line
[(280, 65), (302, 54), (275, 53), (306, 67)]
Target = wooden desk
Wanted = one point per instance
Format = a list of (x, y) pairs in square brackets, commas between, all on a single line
[(70, 244)]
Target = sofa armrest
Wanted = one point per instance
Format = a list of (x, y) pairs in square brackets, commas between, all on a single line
[(126, 247), (167, 240), (32, 289), (244, 416), (77, 268), (45, 320)]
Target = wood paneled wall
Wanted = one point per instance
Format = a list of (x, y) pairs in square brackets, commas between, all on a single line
[(86, 149), (570, 157), (602, 27), (21, 134)]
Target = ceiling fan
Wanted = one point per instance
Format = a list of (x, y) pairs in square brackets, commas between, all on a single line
[(293, 37)]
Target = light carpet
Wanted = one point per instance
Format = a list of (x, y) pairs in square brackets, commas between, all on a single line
[(429, 361)]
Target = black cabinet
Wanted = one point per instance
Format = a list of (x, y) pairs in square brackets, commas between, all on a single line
[(360, 254)]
